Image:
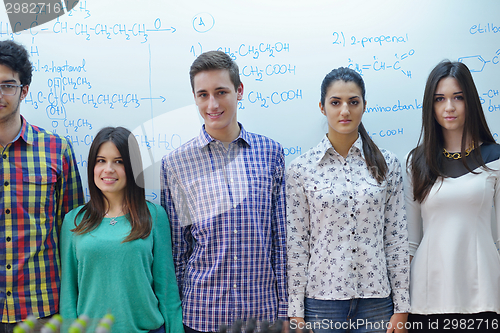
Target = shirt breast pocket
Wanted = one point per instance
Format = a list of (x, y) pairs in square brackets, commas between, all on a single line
[(261, 193), (40, 187), (319, 191)]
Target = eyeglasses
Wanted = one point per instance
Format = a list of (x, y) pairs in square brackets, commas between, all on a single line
[(9, 89)]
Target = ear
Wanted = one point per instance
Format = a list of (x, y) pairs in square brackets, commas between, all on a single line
[(364, 106), (239, 92), (322, 108), (24, 92)]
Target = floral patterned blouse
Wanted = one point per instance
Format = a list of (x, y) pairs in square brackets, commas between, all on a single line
[(347, 234)]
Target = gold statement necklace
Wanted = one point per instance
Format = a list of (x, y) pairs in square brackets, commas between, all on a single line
[(457, 156)]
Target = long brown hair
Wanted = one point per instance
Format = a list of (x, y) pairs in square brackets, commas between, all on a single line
[(375, 161), (425, 161), (135, 198)]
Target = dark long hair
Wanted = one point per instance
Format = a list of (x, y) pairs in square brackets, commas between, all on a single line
[(426, 159), (135, 198), (375, 161)]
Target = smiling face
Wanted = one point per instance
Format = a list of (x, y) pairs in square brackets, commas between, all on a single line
[(9, 105), (449, 105), (217, 101), (109, 171), (343, 108)]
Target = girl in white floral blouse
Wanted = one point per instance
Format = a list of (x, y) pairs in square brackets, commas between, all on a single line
[(348, 259)]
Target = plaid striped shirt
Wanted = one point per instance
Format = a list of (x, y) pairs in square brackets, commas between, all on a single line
[(40, 184), (227, 212)]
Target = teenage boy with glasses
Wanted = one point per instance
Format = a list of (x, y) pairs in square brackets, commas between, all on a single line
[(40, 184)]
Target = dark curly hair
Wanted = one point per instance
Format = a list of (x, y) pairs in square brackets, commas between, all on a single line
[(16, 57)]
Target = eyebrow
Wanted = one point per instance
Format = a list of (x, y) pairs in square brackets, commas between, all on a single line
[(115, 158), (10, 81), (335, 97), (455, 93), (218, 88)]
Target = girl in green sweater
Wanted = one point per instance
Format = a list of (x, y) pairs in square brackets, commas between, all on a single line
[(116, 253)]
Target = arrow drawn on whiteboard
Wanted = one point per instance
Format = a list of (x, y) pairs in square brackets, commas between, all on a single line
[(163, 99), (168, 29), (154, 195)]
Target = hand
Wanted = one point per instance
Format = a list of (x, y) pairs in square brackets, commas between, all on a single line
[(286, 327), (299, 322), (398, 321)]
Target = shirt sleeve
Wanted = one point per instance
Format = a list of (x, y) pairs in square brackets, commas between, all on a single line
[(180, 232), (298, 242), (164, 280), (415, 226), (279, 235), (396, 238), (70, 191), (68, 298)]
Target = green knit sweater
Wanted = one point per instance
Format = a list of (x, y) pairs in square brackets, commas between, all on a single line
[(135, 281)]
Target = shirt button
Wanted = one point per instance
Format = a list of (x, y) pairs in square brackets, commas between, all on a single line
[(353, 233), (235, 258), (350, 197), (7, 211), (352, 215), (232, 180), (8, 266), (6, 183), (354, 269), (348, 180), (235, 231), (235, 206), (234, 285), (8, 239), (354, 251), (9, 293), (4, 156)]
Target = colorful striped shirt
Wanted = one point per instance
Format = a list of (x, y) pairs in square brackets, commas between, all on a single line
[(227, 213), (40, 184)]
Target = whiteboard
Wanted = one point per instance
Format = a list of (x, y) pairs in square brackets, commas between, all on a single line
[(109, 63)]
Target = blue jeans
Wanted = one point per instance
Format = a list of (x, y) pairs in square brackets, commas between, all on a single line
[(360, 315), (158, 330), (190, 330), (9, 328)]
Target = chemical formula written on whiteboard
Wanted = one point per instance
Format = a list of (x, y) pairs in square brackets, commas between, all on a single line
[(490, 100), (381, 40), (377, 65), (269, 49), (270, 70), (476, 63), (264, 100), (132, 31)]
